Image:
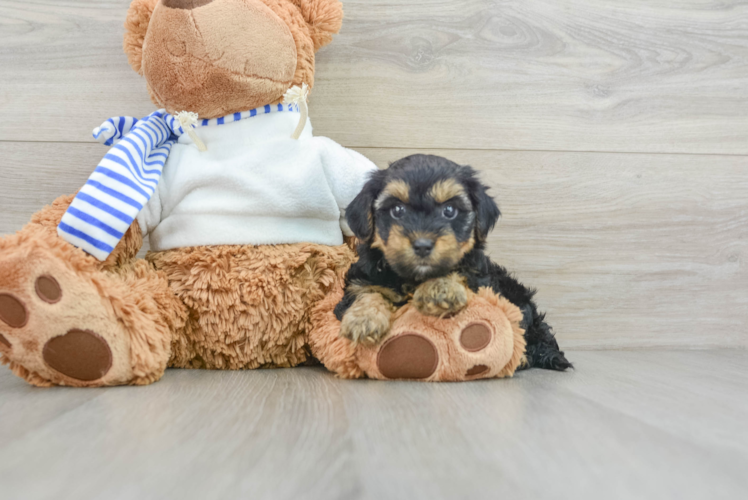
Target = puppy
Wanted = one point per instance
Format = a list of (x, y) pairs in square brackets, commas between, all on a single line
[(422, 226)]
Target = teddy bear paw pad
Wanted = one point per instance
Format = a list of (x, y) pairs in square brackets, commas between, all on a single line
[(79, 354), (475, 337), (476, 370), (408, 356), (12, 311), (48, 289)]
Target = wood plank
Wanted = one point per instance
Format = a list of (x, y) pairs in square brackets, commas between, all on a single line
[(627, 250), (585, 75), (64, 71), (660, 424)]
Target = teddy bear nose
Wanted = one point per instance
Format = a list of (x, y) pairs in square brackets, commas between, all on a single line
[(185, 4)]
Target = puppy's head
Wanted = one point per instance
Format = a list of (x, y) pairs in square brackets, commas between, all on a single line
[(425, 213)]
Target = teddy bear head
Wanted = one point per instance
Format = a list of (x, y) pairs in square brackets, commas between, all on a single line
[(217, 57)]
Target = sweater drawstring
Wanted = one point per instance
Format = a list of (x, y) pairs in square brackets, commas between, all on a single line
[(188, 120), (298, 95)]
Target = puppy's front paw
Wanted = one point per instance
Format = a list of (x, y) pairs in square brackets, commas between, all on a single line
[(365, 327), (368, 319), (441, 296)]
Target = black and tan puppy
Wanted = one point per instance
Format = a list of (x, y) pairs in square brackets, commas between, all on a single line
[(422, 226)]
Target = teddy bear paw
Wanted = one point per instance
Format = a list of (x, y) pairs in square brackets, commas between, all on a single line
[(55, 328), (483, 340)]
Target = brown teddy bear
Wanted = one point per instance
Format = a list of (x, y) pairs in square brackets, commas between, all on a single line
[(245, 211), (244, 221)]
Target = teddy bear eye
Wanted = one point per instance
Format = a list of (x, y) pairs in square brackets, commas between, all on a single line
[(397, 211), (449, 211)]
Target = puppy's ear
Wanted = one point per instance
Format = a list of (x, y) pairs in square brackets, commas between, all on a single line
[(360, 212), (324, 17), (136, 26), (486, 210), (487, 213)]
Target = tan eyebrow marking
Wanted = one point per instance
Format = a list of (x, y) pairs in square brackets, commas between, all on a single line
[(447, 189), (398, 188)]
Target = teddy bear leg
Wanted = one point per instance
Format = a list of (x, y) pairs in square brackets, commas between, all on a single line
[(483, 340), (68, 319)]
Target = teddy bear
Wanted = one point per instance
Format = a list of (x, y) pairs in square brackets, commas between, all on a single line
[(244, 208)]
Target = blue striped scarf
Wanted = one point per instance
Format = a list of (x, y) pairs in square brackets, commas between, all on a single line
[(128, 175)]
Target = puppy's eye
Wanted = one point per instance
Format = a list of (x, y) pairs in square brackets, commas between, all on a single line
[(397, 211), (449, 211)]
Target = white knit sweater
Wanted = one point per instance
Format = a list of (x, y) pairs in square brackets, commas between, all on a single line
[(254, 185)]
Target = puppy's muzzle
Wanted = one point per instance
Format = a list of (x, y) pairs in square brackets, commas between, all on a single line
[(422, 247)]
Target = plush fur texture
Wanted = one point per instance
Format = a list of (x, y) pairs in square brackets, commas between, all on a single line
[(248, 306), (500, 357), (422, 224), (227, 56)]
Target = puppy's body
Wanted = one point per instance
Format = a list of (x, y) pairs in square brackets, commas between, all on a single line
[(422, 225)]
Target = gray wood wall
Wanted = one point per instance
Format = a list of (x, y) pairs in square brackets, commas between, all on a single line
[(614, 135)]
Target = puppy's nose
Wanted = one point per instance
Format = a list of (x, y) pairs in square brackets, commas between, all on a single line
[(422, 246), (185, 4)]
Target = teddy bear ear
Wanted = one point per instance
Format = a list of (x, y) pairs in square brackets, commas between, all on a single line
[(136, 25), (324, 17)]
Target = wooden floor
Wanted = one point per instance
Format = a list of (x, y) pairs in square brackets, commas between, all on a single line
[(636, 424)]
